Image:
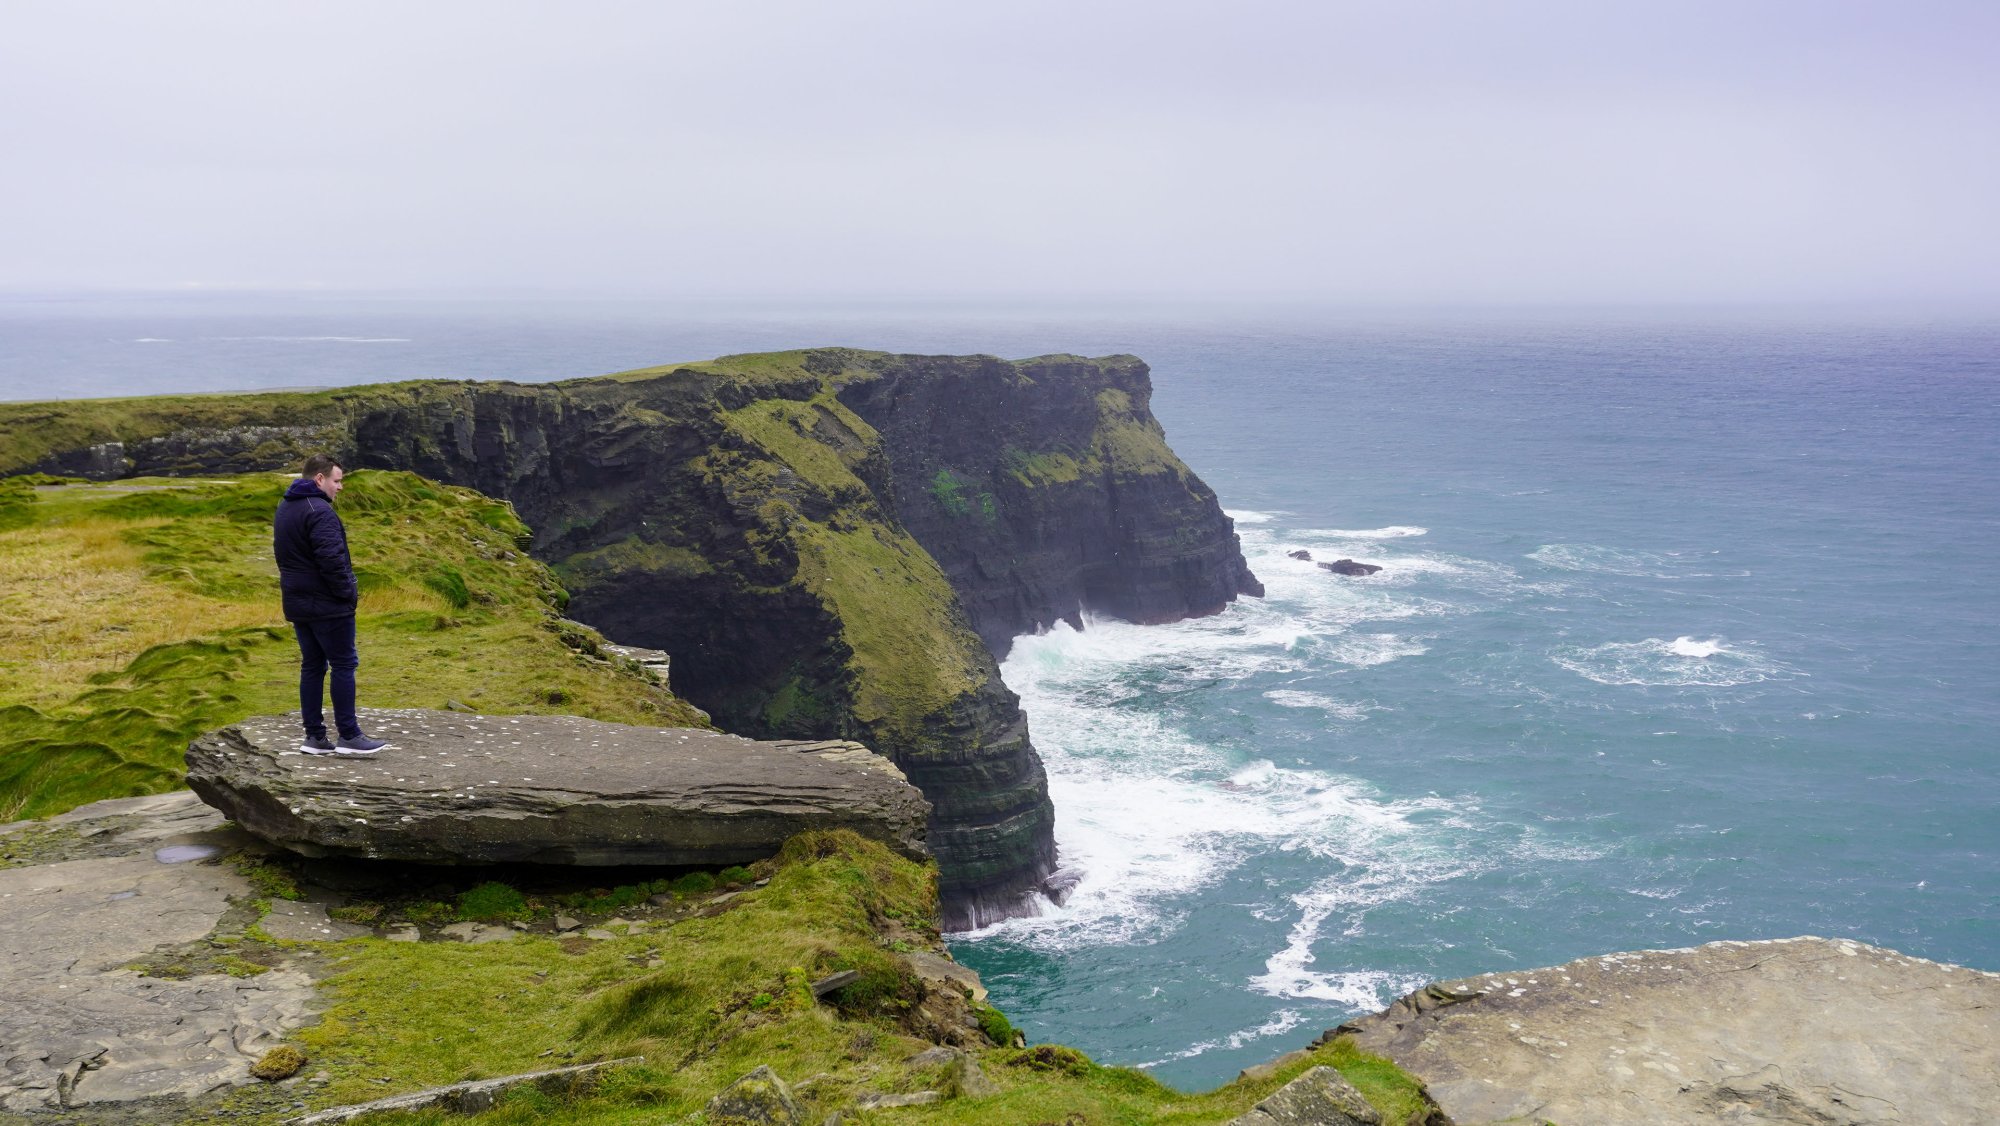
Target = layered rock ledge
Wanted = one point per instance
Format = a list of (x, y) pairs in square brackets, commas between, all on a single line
[(454, 788), (1811, 1031)]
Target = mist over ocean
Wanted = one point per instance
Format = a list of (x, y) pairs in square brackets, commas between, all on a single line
[(1687, 629)]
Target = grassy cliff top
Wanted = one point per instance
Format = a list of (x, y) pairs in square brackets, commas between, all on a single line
[(136, 615), (31, 432)]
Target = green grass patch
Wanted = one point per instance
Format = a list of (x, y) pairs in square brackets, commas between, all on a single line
[(492, 902), (117, 645)]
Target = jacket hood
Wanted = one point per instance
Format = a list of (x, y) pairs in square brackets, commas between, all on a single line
[(304, 489)]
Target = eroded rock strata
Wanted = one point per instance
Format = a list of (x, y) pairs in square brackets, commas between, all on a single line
[(473, 789), (820, 540)]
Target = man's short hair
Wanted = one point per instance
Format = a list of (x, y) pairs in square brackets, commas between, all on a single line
[(318, 465)]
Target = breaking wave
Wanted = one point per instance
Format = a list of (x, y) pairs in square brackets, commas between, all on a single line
[(1683, 662)]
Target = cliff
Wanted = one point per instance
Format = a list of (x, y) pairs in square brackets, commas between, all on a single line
[(820, 539)]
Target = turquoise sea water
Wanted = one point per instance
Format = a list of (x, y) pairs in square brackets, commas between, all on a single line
[(1686, 630)]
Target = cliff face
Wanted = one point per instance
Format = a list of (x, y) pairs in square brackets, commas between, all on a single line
[(820, 539), (1046, 487)]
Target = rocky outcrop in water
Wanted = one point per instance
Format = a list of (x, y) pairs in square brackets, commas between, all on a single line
[(472, 789), (819, 540), (1806, 1031)]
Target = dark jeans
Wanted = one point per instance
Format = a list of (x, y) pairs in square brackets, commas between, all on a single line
[(324, 644)]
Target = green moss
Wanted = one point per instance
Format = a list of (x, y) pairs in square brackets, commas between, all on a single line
[(913, 651), (633, 555), (272, 878), (492, 902), (1044, 468), (694, 883), (949, 494), (994, 1024), (1131, 441), (790, 431)]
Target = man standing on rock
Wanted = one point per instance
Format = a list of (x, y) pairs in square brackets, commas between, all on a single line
[(316, 577)]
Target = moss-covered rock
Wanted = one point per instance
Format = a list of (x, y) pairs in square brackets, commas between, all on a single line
[(281, 1062)]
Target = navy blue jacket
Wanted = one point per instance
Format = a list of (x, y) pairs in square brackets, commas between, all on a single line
[(314, 570)]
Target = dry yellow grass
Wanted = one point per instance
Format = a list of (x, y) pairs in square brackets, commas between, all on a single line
[(78, 599)]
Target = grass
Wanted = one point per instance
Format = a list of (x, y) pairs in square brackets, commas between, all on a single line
[(710, 998), (137, 615)]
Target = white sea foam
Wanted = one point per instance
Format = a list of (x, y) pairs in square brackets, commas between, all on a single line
[(153, 340), (1681, 663), (1689, 647), (1601, 560), (1281, 1022), (1246, 516), (1592, 558), (1147, 814), (1364, 650), (1395, 862), (1338, 709), (1392, 532)]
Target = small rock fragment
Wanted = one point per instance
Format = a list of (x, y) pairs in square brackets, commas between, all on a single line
[(1320, 1097), (760, 1097), (889, 1102), (834, 983)]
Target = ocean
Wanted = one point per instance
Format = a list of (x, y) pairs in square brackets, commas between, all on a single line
[(1686, 629)]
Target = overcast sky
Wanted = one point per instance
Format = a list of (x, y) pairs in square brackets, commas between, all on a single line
[(1514, 150)]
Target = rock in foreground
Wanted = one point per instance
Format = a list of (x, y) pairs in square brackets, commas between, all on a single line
[(78, 1026), (1804, 1030), (474, 789)]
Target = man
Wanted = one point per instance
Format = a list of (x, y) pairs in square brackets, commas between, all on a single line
[(317, 580)]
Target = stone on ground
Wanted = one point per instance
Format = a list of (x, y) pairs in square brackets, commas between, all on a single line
[(477, 789), (1804, 1030), (760, 1097), (1320, 1097)]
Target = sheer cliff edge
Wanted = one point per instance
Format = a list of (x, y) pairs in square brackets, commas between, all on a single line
[(829, 543)]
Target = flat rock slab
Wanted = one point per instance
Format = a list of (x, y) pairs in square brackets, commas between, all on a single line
[(474, 789), (470, 1097), (1805, 1030), (76, 1026)]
